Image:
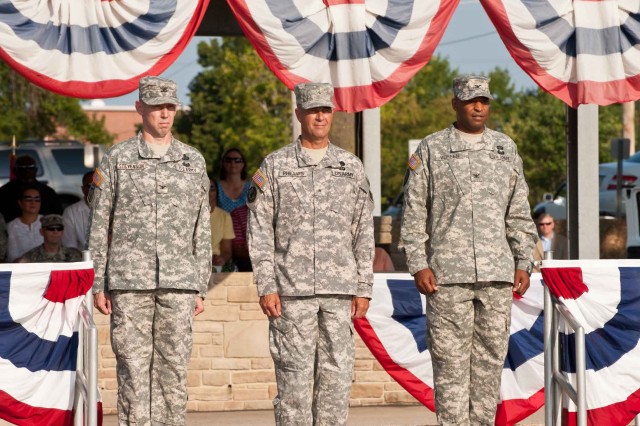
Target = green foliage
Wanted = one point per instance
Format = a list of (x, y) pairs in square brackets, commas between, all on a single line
[(32, 112), (235, 102)]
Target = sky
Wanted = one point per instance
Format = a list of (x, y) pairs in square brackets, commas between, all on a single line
[(470, 43)]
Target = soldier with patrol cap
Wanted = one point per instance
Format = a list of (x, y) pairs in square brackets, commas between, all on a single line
[(311, 245), (51, 250), (468, 236), (150, 240)]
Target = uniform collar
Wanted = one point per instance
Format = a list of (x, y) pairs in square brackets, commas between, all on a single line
[(330, 159), (456, 143), (173, 153)]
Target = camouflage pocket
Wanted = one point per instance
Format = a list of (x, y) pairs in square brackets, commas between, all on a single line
[(278, 330)]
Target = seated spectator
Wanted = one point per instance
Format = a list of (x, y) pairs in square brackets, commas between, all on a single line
[(221, 234), (24, 231), (76, 218), (232, 197), (25, 170), (3, 239), (382, 261), (51, 250)]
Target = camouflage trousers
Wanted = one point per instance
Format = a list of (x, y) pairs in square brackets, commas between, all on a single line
[(151, 337), (312, 342), (468, 335)]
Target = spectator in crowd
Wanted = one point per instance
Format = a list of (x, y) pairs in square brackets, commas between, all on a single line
[(76, 218), (549, 241), (3, 239), (25, 170), (51, 250), (221, 233), (24, 231), (382, 261), (232, 197)]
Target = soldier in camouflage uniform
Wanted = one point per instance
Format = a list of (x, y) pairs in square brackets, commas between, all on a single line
[(311, 245), (52, 250), (150, 240), (468, 236)]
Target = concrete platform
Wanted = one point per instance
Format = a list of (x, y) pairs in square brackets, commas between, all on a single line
[(358, 416)]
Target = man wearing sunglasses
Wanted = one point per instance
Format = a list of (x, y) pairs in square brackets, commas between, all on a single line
[(25, 170), (51, 250), (549, 240)]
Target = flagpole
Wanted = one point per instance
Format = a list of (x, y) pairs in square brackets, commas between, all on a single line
[(12, 159)]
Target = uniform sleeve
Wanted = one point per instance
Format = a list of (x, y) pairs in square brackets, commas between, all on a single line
[(363, 239), (260, 235), (520, 229), (101, 201), (202, 239), (413, 231)]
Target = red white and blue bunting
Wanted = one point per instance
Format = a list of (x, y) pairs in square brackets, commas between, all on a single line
[(95, 49), (581, 51), (39, 305), (368, 49)]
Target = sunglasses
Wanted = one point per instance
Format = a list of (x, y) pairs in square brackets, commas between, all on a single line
[(545, 223), (34, 199), (233, 160), (32, 166), (55, 228)]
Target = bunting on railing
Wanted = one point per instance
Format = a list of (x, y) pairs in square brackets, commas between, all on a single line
[(39, 306), (395, 331), (95, 49), (603, 296)]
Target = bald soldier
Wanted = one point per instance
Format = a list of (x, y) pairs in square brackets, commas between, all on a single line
[(468, 236), (311, 245), (150, 240)]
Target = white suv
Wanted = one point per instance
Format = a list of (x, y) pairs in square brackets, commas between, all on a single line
[(60, 164)]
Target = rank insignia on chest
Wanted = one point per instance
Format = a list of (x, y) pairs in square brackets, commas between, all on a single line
[(414, 161), (259, 179), (500, 150)]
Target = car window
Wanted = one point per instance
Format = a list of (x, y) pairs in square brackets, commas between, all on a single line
[(4, 161), (70, 161)]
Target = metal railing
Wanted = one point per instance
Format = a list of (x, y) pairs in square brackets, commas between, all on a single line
[(86, 386), (556, 383)]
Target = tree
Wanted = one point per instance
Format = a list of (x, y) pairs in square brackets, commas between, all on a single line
[(32, 112), (235, 102)]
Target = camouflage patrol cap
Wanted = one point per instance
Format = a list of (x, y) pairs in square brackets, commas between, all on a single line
[(157, 91), (313, 95), (468, 86), (51, 220)]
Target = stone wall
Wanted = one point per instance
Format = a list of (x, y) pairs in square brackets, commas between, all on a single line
[(231, 368)]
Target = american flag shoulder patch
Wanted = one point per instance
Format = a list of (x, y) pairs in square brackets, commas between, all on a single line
[(259, 179), (414, 161), (97, 177)]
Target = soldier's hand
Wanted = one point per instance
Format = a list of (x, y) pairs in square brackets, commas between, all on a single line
[(359, 307), (199, 306), (425, 281), (102, 302), (270, 304), (520, 282)]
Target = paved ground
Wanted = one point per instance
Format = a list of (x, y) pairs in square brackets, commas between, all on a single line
[(358, 416)]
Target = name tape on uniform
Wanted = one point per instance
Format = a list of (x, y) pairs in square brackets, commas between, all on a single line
[(292, 173), (340, 173), (131, 166)]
